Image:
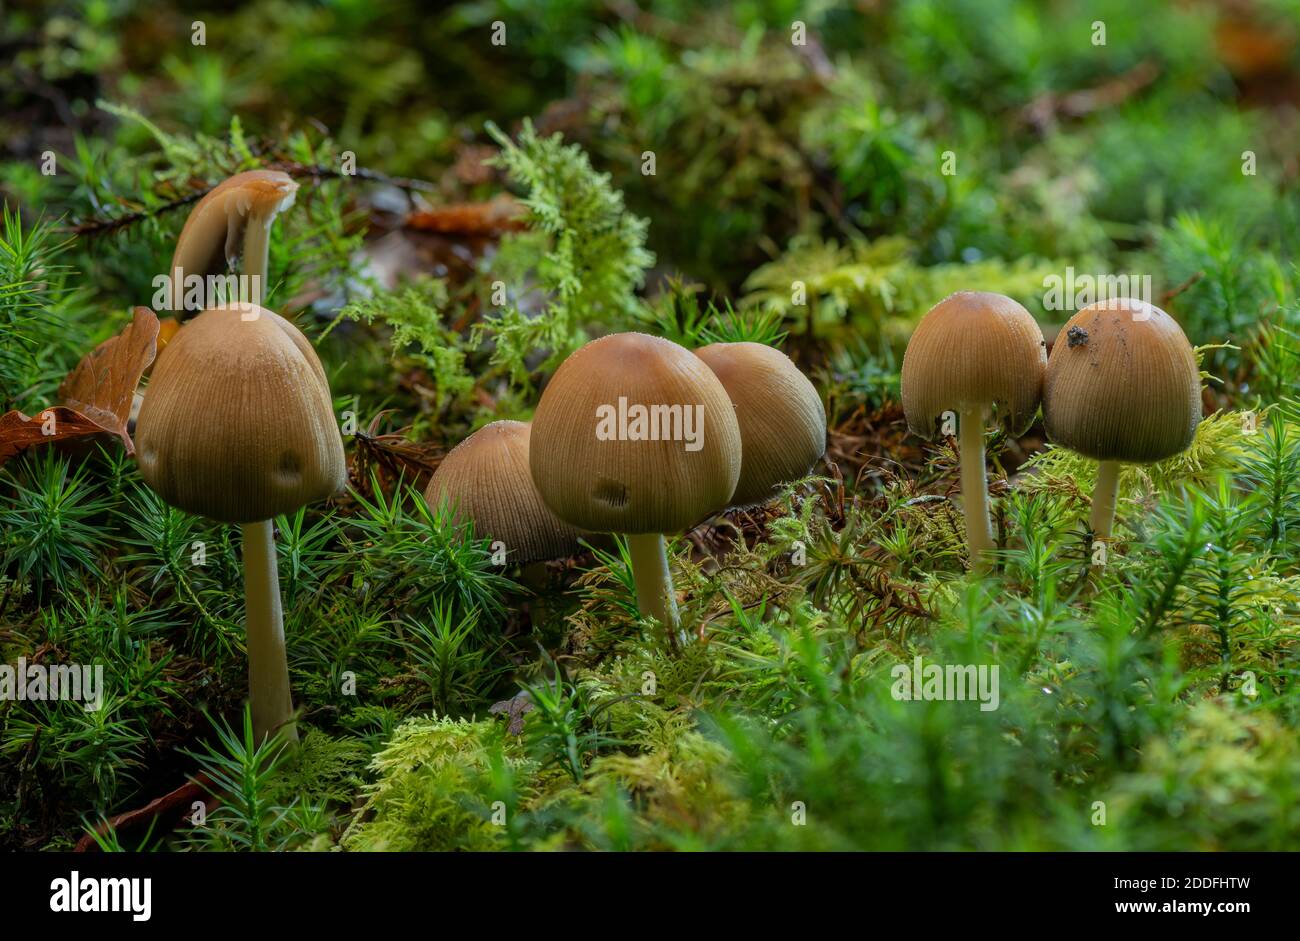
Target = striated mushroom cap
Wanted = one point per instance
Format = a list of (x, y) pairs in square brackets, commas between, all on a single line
[(974, 351), (215, 232), (781, 416), (635, 434), (1122, 384), (486, 479), (237, 423)]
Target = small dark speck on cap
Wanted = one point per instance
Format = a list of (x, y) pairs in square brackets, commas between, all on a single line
[(1077, 337)]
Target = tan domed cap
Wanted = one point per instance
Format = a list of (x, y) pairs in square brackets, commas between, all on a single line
[(218, 227), (599, 467), (971, 351), (1122, 384), (237, 423), (486, 479), (781, 416)]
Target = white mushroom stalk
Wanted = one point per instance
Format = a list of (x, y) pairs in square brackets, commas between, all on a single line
[(975, 488), (972, 356), (1101, 519), (654, 582), (269, 697)]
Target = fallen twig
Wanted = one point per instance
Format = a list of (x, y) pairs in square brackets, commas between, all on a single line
[(102, 226), (197, 788), (1044, 110)]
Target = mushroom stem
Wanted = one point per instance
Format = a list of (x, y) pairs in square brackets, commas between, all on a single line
[(268, 664), (257, 250), (1104, 495), (654, 586), (975, 490)]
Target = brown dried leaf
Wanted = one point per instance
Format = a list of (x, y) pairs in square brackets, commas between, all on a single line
[(1250, 49), (393, 457), (516, 708), (18, 432), (103, 383), (472, 167), (501, 214)]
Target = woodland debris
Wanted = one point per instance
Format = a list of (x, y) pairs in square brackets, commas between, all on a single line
[(97, 394)]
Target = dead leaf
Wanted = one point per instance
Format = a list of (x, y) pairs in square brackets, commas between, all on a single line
[(102, 384), (18, 432), (471, 167), (392, 457), (516, 707), (502, 214), (1251, 49)]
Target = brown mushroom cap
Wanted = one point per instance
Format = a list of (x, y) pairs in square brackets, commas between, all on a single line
[(971, 351), (486, 479), (213, 235), (237, 422), (630, 486), (1122, 384), (781, 417)]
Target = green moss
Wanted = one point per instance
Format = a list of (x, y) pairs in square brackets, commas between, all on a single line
[(1227, 778), (432, 778)]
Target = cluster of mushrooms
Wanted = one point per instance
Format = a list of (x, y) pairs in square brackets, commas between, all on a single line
[(1121, 387), (237, 425), (540, 487)]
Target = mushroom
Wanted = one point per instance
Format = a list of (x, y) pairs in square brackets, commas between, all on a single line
[(1122, 386), (234, 218), (636, 435), (781, 417), (486, 479), (238, 426), (974, 354)]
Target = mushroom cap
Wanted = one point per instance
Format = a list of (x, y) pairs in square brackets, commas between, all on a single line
[(973, 351), (237, 422), (595, 464), (1122, 384), (781, 416), (486, 479), (212, 236)]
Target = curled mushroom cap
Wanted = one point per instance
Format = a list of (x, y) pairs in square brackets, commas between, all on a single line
[(237, 423), (971, 351), (1122, 384), (635, 434), (781, 417), (486, 479), (234, 217)]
